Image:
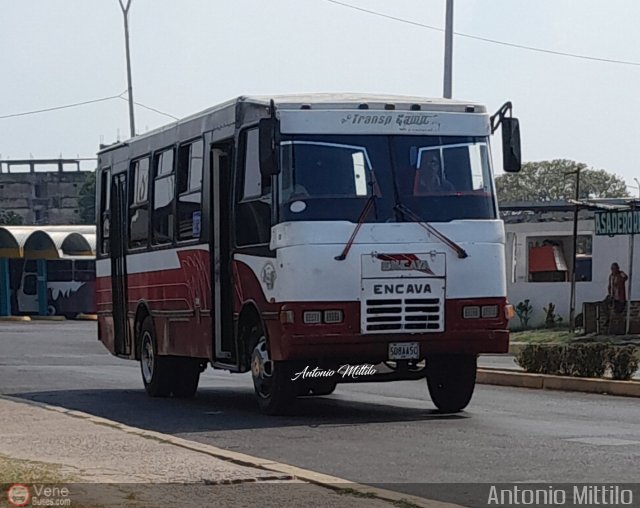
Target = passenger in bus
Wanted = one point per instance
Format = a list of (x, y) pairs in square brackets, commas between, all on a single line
[(429, 177)]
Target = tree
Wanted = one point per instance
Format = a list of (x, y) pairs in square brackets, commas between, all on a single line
[(549, 181), (9, 218), (87, 199)]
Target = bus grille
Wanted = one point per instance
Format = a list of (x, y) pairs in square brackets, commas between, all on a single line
[(403, 315)]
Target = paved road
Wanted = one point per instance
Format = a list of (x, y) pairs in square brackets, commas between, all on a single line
[(372, 433)]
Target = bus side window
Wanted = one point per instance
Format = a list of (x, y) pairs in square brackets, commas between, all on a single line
[(253, 208), (190, 160), (163, 196), (105, 188), (139, 203)]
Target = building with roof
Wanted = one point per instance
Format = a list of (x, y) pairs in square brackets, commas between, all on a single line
[(44, 191), (539, 258), (47, 270)]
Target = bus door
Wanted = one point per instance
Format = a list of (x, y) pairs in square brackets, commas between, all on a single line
[(118, 226), (220, 192)]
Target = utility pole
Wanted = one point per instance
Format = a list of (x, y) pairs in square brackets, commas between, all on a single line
[(572, 305), (630, 274), (448, 52), (125, 14)]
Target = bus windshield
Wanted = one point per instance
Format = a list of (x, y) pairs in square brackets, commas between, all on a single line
[(440, 178)]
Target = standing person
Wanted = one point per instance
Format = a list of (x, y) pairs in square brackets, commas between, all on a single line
[(616, 290)]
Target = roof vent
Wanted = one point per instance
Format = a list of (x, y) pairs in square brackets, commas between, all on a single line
[(363, 106)]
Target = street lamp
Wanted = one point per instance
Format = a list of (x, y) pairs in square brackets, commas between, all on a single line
[(636, 180), (125, 14)]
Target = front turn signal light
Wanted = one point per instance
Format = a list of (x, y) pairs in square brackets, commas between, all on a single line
[(509, 311)]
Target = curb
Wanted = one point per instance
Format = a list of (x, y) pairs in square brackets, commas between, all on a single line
[(320, 479), (15, 318), (86, 317), (517, 379), (48, 318)]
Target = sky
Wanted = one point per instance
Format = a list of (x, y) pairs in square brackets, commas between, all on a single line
[(188, 55)]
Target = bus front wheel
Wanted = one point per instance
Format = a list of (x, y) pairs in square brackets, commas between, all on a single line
[(451, 380), (156, 370), (271, 381)]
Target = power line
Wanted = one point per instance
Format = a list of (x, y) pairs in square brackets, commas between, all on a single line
[(84, 103), (55, 108), (151, 109), (486, 39)]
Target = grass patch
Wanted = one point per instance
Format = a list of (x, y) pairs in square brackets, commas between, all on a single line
[(356, 493), (26, 471), (403, 503), (543, 336)]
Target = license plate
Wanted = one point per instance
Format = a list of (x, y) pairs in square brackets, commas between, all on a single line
[(404, 351)]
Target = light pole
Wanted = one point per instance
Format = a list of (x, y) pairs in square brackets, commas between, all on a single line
[(636, 180), (125, 14), (448, 52)]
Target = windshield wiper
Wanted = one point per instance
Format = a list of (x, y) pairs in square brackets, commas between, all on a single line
[(444, 239), (375, 190)]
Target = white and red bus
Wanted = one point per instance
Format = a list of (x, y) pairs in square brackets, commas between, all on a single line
[(310, 240)]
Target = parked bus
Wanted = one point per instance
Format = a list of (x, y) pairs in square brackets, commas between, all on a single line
[(70, 286), (303, 237)]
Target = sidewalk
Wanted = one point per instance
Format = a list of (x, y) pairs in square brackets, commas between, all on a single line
[(107, 464)]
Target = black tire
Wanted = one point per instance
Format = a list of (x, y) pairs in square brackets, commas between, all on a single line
[(186, 377), (451, 380), (317, 388), (156, 370), (272, 382)]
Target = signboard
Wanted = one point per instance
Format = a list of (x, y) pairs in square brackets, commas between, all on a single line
[(617, 222)]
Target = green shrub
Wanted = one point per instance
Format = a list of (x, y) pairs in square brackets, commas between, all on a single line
[(584, 360), (580, 360), (623, 361), (540, 358), (524, 311)]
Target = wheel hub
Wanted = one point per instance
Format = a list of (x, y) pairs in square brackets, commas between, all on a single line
[(261, 367), (147, 358)]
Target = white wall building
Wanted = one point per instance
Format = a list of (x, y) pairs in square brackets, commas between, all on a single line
[(530, 271)]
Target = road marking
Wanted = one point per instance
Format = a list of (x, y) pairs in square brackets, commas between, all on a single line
[(604, 441)]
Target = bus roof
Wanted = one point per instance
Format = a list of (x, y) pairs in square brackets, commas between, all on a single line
[(324, 101)]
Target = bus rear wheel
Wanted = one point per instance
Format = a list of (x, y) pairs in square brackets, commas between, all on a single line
[(186, 377), (271, 381), (451, 380), (155, 369)]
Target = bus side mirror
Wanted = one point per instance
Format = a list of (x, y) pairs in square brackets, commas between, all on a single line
[(511, 156), (269, 131)]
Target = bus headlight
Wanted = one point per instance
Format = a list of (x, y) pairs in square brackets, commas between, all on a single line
[(489, 311), (312, 317), (471, 312), (333, 316)]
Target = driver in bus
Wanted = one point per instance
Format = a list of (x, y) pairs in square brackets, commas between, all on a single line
[(429, 177)]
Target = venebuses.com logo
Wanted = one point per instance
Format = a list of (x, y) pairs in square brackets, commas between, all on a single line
[(18, 495)]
